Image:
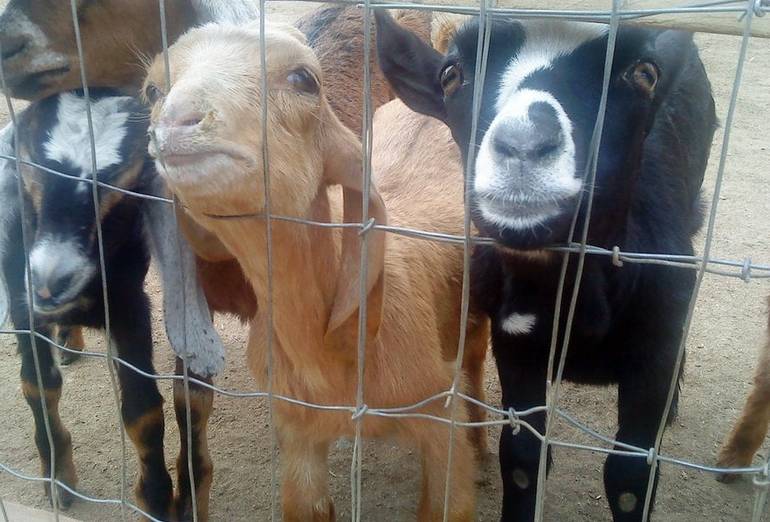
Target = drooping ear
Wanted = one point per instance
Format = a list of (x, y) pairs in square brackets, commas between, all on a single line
[(411, 66), (343, 166), (205, 244)]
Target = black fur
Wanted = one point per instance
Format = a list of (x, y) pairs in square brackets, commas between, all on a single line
[(628, 321), (67, 212)]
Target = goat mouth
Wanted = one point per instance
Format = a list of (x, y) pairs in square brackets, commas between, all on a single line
[(519, 208), (53, 309), (32, 81), (184, 157)]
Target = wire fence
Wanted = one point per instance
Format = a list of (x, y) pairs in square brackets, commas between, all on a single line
[(744, 269)]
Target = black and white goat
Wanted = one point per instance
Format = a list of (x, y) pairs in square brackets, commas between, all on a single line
[(60, 219), (539, 107)]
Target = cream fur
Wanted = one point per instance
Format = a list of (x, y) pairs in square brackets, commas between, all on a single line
[(215, 169)]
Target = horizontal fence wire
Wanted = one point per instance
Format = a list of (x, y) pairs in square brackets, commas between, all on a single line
[(744, 269)]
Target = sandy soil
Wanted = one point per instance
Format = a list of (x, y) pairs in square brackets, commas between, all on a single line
[(726, 334)]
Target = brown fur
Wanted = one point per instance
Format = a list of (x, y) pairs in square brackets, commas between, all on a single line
[(750, 429), (413, 286), (113, 51), (336, 34)]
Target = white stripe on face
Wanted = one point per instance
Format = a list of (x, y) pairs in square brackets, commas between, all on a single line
[(37, 47), (69, 139), (544, 42), (524, 192)]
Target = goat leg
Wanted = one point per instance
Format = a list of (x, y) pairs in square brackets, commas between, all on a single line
[(304, 479), (72, 338), (749, 431), (141, 402), (201, 401)]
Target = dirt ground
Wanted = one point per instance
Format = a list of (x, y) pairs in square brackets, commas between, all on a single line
[(726, 334)]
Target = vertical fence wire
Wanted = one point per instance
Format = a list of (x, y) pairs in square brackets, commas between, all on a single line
[(269, 252), (102, 264), (482, 53), (749, 15), (3, 511), (552, 389), (178, 240), (356, 466), (26, 239)]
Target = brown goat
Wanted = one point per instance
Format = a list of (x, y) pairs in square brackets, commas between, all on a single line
[(39, 58), (209, 149), (750, 429)]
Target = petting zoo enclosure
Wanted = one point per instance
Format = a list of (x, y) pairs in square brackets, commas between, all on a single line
[(743, 19)]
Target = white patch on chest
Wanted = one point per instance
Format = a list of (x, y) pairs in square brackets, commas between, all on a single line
[(519, 324), (69, 139), (545, 41)]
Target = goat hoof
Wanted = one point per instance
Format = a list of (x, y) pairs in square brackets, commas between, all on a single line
[(63, 497), (728, 460), (68, 358)]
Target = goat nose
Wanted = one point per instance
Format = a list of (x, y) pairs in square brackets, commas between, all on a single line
[(533, 140), (49, 287)]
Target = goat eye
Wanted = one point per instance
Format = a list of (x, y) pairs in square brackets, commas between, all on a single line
[(153, 94), (451, 78), (644, 76), (303, 81)]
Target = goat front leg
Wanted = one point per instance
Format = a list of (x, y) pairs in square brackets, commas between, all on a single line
[(201, 402), (433, 439), (751, 428), (70, 337), (304, 479), (141, 402), (642, 394), (523, 386), (52, 387)]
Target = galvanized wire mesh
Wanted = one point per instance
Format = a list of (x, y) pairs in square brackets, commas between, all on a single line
[(744, 269)]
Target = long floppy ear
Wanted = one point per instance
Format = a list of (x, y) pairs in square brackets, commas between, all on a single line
[(343, 166), (203, 243), (411, 66)]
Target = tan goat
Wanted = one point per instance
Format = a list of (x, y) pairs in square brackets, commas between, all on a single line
[(209, 148)]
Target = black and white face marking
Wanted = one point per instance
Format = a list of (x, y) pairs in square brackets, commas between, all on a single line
[(526, 163), (64, 255)]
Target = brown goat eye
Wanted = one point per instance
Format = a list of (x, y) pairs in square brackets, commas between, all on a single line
[(303, 81), (153, 94), (644, 76), (451, 78)]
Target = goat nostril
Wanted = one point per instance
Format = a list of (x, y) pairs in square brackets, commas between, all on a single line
[(504, 148), (545, 149), (191, 121), (11, 50)]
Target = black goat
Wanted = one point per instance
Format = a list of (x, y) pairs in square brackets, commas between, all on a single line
[(59, 217), (539, 107)]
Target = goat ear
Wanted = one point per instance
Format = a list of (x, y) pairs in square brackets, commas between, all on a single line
[(343, 166), (411, 66)]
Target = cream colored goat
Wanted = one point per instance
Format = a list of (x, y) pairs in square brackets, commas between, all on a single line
[(209, 148)]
